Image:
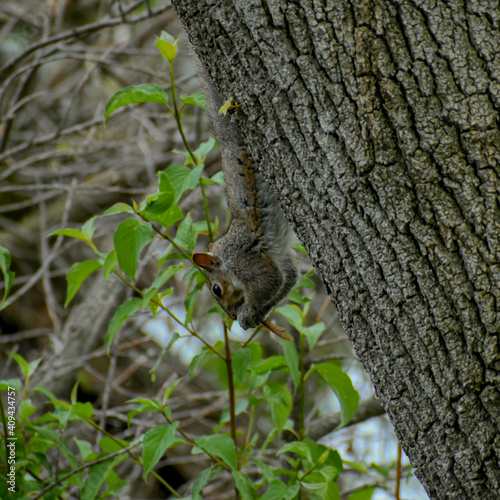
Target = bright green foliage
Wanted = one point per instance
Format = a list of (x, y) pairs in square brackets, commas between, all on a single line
[(133, 95), (156, 442), (77, 274), (121, 314), (131, 236), (8, 275), (341, 385), (97, 476), (182, 178), (196, 99), (167, 46), (219, 445), (280, 400), (363, 494)]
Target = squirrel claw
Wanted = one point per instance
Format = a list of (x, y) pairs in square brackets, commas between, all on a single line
[(277, 330)]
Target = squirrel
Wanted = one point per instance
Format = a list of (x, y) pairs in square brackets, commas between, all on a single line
[(253, 266)]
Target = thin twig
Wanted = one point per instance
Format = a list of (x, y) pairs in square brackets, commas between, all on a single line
[(82, 31)]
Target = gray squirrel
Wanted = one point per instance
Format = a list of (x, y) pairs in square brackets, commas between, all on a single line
[(253, 266)]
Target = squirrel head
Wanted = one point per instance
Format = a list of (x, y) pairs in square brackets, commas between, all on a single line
[(225, 290)]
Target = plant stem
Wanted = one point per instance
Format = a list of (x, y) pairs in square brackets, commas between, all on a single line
[(4, 421), (249, 432), (230, 383), (397, 493), (196, 161), (302, 387), (177, 115), (207, 214)]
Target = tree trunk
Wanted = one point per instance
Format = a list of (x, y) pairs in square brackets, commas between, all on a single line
[(377, 124)]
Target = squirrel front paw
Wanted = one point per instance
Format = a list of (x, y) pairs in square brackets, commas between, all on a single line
[(249, 317)]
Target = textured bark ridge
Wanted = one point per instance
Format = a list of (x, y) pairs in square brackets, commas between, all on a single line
[(377, 124)]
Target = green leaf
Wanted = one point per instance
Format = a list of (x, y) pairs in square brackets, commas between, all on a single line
[(134, 95), (240, 407), (164, 350), (47, 392), (109, 445), (190, 302), (204, 148), (141, 408), (194, 362), (167, 46), (165, 184), (293, 314), (317, 455), (317, 483), (280, 400), (33, 365), (122, 313), (156, 442), (84, 447), (26, 409), (217, 178), (202, 480), (62, 416), (97, 476), (83, 410), (219, 445), (384, 471), (196, 99), (189, 159), (160, 280), (305, 280), (47, 433), (170, 389), (363, 494), (241, 362), (271, 363), (298, 447), (173, 339), (280, 491), (109, 264), (14, 383), (296, 318), (88, 228), (70, 233), (129, 239), (22, 363), (157, 204), (119, 208), (182, 178), (292, 360), (186, 234), (245, 485), (77, 274), (313, 333), (341, 385), (68, 454), (170, 217)]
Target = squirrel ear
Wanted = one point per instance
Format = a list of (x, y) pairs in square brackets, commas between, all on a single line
[(205, 260)]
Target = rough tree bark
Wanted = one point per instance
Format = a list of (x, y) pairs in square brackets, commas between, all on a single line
[(377, 124)]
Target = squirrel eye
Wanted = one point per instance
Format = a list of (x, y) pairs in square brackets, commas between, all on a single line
[(217, 290)]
